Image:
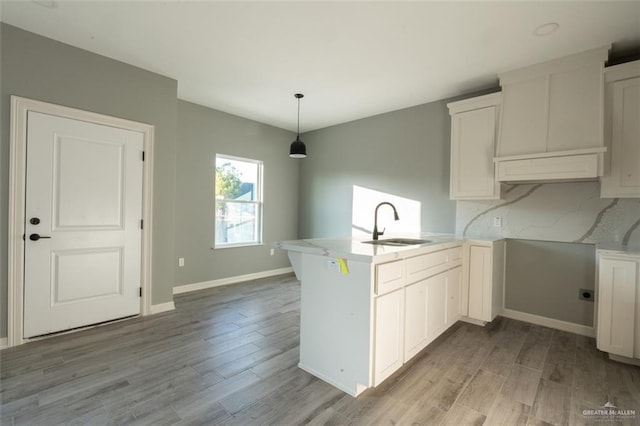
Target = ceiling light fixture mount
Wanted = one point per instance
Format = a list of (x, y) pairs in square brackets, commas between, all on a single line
[(298, 149), (546, 29)]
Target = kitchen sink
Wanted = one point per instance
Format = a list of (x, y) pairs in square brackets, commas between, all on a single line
[(398, 242)]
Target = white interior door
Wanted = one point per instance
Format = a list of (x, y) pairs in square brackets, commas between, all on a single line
[(84, 201)]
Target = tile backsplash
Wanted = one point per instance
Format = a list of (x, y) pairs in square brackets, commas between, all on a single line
[(566, 212)]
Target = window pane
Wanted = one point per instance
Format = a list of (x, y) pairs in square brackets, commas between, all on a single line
[(236, 223), (238, 201), (236, 179)]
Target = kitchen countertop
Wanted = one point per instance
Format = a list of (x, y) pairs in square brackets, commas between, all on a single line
[(354, 248)]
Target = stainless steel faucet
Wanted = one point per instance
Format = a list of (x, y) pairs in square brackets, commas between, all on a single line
[(377, 233)]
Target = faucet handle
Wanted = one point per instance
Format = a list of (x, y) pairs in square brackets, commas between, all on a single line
[(382, 232)]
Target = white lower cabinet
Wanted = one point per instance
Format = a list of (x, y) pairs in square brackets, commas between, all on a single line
[(431, 306), (436, 305), (358, 328), (479, 282), (618, 326), (454, 291), (483, 279), (389, 326), (415, 331), (411, 314)]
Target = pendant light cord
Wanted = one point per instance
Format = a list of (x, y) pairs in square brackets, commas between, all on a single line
[(298, 136)]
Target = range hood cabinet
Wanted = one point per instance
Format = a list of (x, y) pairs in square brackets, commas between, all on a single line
[(551, 122), (565, 166)]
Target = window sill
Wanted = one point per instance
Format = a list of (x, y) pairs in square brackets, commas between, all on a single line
[(235, 245)]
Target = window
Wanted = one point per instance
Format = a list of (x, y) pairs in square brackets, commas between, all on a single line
[(238, 190)]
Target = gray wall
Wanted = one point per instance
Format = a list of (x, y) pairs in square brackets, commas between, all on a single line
[(404, 153), (543, 278), (203, 133), (39, 68)]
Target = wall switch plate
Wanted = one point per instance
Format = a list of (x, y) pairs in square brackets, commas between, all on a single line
[(181, 262), (497, 222)]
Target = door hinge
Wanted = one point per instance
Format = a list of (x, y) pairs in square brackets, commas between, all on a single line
[(142, 155), (140, 291), (141, 223)]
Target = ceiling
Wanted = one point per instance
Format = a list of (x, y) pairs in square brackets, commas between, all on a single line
[(350, 59)]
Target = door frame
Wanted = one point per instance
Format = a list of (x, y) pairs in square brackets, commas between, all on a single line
[(17, 196)]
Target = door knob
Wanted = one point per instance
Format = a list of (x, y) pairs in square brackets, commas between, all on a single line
[(36, 237), (34, 221)]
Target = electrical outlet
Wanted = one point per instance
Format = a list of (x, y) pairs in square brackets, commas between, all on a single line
[(497, 222), (181, 262), (272, 252)]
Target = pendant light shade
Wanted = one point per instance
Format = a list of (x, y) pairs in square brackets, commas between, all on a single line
[(298, 149)]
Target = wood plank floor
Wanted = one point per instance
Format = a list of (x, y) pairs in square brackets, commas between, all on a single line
[(229, 356)]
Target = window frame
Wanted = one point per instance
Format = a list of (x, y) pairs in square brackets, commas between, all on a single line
[(259, 202)]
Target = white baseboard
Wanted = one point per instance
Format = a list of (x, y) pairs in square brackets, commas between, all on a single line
[(473, 321), (344, 388), (162, 307), (633, 361), (4, 343), (187, 288), (580, 329)]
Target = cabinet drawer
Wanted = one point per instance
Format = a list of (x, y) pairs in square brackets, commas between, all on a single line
[(389, 276), (456, 253), (426, 265)]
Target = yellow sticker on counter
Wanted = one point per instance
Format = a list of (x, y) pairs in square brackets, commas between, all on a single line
[(344, 268)]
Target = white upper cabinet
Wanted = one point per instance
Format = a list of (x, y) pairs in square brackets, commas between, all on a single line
[(622, 131), (473, 137), (553, 109)]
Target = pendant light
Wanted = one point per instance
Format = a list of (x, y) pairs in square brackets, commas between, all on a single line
[(298, 149)]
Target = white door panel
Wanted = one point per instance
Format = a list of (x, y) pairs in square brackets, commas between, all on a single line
[(87, 203), (84, 184)]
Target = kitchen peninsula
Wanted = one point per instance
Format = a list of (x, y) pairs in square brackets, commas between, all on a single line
[(366, 309)]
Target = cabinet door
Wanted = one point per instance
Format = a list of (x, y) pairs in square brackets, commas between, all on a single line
[(415, 326), (389, 332), (473, 135), (617, 286), (454, 284), (436, 305), (624, 134), (480, 282)]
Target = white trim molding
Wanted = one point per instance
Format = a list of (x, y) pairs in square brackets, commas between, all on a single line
[(187, 288), (624, 359), (473, 321), (570, 327), (17, 187), (162, 307)]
